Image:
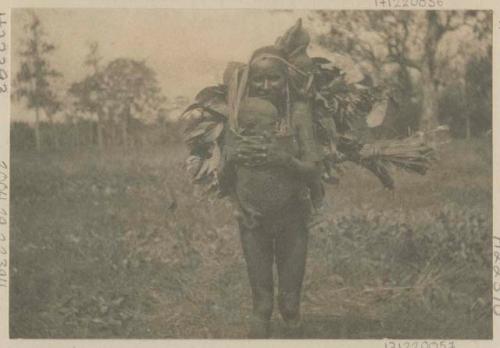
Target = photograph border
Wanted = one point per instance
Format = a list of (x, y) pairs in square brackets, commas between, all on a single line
[(6, 6)]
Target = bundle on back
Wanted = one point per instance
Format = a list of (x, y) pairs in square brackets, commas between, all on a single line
[(409, 154), (340, 110)]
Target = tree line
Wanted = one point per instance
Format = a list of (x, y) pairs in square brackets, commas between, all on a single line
[(435, 65), (116, 104)]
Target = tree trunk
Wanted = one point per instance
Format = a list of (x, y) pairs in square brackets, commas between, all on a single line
[(100, 142), (38, 143), (55, 136), (467, 126), (428, 119), (54, 141), (466, 107), (112, 132), (124, 131), (91, 134), (77, 134)]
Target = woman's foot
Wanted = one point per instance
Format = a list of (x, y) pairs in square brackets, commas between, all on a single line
[(259, 328), (293, 329)]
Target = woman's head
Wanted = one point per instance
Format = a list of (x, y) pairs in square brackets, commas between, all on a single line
[(268, 74)]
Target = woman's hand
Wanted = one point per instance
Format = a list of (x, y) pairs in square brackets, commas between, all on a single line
[(276, 155), (248, 150), (255, 151)]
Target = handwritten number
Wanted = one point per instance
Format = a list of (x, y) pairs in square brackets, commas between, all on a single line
[(496, 271), (496, 309)]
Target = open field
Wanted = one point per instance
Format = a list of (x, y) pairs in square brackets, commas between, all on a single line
[(122, 245)]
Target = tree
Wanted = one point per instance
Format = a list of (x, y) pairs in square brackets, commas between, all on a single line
[(381, 44), (405, 50), (93, 58), (478, 95), (93, 61), (74, 116), (88, 95), (34, 80), (132, 91), (464, 70)]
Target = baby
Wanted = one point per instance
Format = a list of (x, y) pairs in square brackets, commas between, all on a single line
[(259, 117)]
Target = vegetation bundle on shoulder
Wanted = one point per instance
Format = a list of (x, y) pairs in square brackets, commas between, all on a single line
[(339, 112)]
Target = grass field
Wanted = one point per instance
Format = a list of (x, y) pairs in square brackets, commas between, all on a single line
[(122, 245)]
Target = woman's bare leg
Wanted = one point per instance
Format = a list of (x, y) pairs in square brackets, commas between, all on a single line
[(258, 251), (291, 252)]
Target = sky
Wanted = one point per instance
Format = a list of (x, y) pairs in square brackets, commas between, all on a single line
[(188, 49)]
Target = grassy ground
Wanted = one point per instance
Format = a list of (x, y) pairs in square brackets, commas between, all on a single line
[(122, 245)]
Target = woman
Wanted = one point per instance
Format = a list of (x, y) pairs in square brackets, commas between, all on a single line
[(269, 178), (254, 138)]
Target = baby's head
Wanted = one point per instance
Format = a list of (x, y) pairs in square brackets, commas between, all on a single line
[(257, 115)]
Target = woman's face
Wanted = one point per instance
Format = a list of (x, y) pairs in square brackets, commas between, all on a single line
[(267, 79)]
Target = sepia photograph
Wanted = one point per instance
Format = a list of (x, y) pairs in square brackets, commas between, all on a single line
[(148, 202)]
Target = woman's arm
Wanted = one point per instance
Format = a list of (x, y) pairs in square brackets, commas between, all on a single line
[(235, 150), (306, 169)]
